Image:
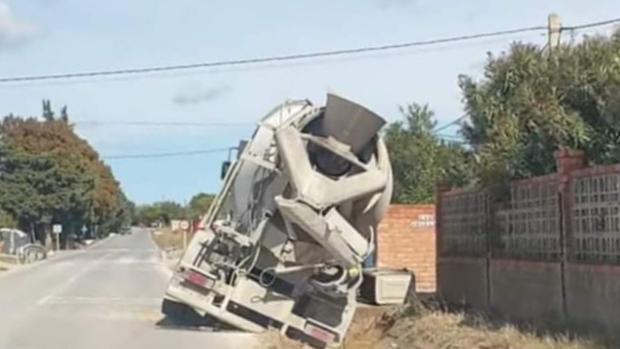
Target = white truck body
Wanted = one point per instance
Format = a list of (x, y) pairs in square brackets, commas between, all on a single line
[(283, 244)]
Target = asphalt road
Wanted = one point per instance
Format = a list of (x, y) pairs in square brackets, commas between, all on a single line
[(107, 296)]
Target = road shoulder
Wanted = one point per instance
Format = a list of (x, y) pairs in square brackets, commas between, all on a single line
[(170, 245), (7, 268)]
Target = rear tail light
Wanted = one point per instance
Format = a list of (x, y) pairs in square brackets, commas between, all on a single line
[(198, 279), (321, 334)]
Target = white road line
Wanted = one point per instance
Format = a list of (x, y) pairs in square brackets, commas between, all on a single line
[(19, 268), (44, 300), (55, 258), (122, 301), (72, 279), (133, 261), (101, 241), (133, 250)]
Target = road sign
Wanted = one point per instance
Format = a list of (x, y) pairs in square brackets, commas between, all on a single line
[(84, 229), (57, 229), (184, 225)]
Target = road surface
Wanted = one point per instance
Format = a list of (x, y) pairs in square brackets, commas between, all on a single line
[(107, 296)]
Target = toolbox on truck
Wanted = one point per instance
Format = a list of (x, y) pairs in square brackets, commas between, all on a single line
[(386, 286)]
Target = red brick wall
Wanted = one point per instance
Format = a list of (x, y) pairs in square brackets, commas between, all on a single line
[(406, 239)]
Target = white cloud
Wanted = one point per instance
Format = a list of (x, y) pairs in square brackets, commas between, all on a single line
[(13, 30), (197, 93)]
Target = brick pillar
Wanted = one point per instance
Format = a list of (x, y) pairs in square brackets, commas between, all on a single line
[(568, 160), (441, 189)]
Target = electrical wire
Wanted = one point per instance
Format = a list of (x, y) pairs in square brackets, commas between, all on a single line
[(263, 67), (591, 25), (269, 59), (160, 123), (291, 57), (449, 124), (164, 155)]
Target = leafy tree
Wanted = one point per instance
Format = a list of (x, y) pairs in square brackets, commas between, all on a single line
[(163, 212), (170, 210), (50, 175), (64, 116), (26, 186), (200, 204), (48, 113), (146, 214), (532, 101), (420, 159), (6, 220)]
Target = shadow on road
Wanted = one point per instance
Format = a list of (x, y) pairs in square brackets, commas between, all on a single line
[(181, 316), (195, 322)]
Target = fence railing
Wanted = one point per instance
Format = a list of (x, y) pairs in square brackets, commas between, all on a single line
[(543, 245), (464, 218), (529, 227)]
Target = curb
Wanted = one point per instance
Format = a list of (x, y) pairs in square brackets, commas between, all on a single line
[(97, 242), (53, 257)]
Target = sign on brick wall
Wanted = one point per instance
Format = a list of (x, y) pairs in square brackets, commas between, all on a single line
[(423, 220)]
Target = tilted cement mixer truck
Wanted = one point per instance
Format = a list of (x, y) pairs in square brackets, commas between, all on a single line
[(283, 244)]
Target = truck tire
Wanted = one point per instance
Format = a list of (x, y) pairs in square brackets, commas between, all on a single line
[(180, 314)]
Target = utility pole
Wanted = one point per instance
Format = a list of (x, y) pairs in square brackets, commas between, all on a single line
[(554, 30)]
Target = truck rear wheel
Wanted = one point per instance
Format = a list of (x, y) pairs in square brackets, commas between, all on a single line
[(180, 314)]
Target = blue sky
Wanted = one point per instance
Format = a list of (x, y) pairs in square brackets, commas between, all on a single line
[(57, 36)]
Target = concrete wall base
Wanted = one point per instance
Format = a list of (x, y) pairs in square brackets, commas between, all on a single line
[(463, 281)]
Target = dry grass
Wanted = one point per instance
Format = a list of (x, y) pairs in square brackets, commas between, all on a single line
[(168, 239), (435, 329), (272, 340), (423, 328)]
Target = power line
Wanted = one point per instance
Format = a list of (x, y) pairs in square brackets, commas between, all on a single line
[(161, 123), (319, 54), (452, 140), (445, 135), (449, 124), (246, 68), (165, 155), (269, 59), (300, 56), (591, 25), (205, 124), (281, 58)]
